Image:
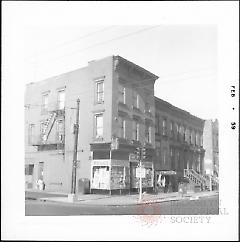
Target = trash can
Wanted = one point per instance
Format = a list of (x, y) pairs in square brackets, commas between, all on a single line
[(83, 186)]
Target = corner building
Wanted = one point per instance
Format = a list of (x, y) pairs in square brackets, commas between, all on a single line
[(117, 112)]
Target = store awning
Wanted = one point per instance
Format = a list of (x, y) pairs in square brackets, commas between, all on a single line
[(170, 172)]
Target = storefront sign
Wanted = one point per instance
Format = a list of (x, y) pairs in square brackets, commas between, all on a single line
[(100, 162), (166, 172)]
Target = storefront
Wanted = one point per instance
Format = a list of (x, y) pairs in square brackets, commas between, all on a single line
[(147, 181), (110, 175), (166, 181)]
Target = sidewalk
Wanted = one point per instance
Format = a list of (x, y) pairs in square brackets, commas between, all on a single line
[(126, 200)]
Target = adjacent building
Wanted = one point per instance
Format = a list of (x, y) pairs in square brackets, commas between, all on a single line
[(210, 144), (118, 113)]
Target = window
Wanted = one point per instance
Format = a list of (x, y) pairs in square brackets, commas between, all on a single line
[(164, 156), (29, 169), (60, 130), (148, 133), (158, 148), (157, 128), (122, 95), (190, 136), (43, 127), (164, 126), (178, 160), (45, 102), (100, 91), (147, 108), (196, 139), (201, 140), (135, 130), (61, 99), (171, 128), (177, 129), (31, 133), (135, 99), (184, 133), (122, 127), (99, 125)]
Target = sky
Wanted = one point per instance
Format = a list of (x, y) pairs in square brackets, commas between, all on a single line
[(183, 56)]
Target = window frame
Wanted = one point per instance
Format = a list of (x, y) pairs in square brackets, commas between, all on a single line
[(135, 130), (96, 128), (98, 93), (45, 105), (63, 90)]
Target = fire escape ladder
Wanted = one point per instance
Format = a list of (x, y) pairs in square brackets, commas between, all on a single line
[(49, 124)]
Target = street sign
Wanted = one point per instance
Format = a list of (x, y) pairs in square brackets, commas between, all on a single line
[(140, 171)]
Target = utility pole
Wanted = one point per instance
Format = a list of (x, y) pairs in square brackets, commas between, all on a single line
[(74, 167), (140, 185)]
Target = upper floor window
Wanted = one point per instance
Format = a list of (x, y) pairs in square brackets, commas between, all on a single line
[(157, 128), (100, 91), (61, 99), (177, 129), (196, 139), (60, 130), (31, 132), (122, 94), (45, 102), (184, 133), (164, 126), (148, 134), (190, 136), (135, 99), (171, 128), (164, 156), (158, 148), (122, 133), (147, 108), (135, 130), (201, 140), (99, 125)]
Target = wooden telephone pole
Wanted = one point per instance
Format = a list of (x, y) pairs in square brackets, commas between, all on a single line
[(74, 167)]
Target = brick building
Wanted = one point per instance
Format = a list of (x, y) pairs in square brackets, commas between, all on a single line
[(118, 112), (116, 115), (178, 141)]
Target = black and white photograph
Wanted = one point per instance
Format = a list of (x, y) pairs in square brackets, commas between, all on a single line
[(113, 123)]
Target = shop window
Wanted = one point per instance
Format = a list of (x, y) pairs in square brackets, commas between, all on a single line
[(100, 177)]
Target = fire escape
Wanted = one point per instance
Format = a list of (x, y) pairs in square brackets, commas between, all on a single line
[(43, 143)]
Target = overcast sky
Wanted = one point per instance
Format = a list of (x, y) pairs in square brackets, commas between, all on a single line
[(183, 56)]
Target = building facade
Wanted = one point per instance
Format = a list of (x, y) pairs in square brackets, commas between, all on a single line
[(178, 141), (116, 115)]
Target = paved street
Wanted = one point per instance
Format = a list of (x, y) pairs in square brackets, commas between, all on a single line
[(203, 206)]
